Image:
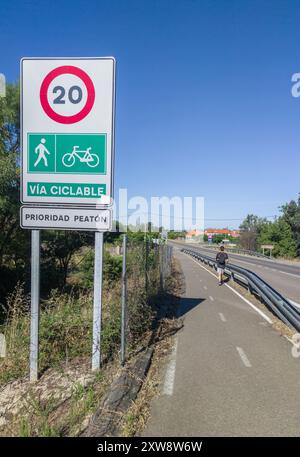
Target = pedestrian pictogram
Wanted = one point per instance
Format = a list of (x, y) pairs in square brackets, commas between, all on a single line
[(41, 150)]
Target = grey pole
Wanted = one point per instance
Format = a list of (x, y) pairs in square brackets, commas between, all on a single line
[(98, 270), (146, 266), (124, 293), (35, 304), (161, 267)]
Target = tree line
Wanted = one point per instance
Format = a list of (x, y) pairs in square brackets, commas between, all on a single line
[(283, 232)]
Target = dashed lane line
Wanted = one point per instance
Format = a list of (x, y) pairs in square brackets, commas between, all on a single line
[(222, 317), (244, 358), (168, 387), (289, 274)]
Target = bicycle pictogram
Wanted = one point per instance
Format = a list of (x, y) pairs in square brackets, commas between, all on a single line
[(83, 155)]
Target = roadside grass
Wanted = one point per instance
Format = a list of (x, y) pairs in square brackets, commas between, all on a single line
[(66, 334), (65, 331)]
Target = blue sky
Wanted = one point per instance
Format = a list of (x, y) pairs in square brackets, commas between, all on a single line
[(203, 92)]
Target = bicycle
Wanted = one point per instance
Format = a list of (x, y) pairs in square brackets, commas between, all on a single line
[(69, 159)]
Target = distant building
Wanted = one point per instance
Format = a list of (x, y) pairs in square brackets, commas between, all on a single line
[(194, 235), (224, 232)]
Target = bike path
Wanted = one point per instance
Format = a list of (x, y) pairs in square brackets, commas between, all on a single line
[(230, 373)]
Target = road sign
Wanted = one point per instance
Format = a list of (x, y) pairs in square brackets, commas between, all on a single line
[(67, 122), (35, 217)]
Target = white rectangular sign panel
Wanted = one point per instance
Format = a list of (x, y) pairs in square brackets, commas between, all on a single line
[(67, 130), (35, 217)]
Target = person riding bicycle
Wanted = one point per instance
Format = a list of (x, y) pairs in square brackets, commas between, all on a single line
[(221, 259)]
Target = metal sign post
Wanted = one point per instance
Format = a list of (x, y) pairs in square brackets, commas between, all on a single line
[(97, 310), (146, 265), (35, 304), (124, 311)]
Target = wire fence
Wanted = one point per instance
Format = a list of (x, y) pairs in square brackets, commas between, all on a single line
[(136, 284), (145, 269)]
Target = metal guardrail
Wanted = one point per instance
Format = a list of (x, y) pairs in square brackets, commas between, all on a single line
[(278, 304), (238, 251)]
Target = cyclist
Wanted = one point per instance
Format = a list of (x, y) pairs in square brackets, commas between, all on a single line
[(221, 259)]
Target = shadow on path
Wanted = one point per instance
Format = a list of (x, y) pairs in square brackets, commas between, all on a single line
[(187, 304)]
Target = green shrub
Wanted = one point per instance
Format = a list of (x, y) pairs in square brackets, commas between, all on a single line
[(112, 269)]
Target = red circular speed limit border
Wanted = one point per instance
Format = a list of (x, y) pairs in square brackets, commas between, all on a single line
[(67, 69)]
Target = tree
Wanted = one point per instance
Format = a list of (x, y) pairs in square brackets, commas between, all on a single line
[(14, 242), (280, 235), (58, 248), (218, 238), (250, 230), (9, 172), (291, 215), (172, 235)]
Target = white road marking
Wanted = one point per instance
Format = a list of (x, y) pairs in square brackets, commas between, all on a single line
[(222, 317), (205, 287), (251, 304), (290, 274), (243, 356), (261, 313), (170, 373), (294, 303), (211, 298), (248, 263), (289, 339)]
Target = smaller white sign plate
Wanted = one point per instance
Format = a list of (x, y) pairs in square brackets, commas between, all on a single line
[(97, 220)]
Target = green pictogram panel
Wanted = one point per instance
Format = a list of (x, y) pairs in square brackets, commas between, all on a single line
[(67, 153)]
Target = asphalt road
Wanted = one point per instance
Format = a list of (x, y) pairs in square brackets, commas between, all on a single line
[(283, 277), (230, 373)]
